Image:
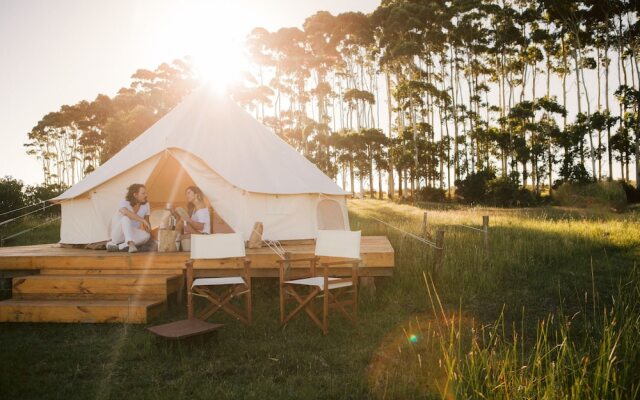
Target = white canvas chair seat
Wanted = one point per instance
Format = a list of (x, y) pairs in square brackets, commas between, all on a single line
[(231, 280), (319, 282), (228, 247), (343, 245)]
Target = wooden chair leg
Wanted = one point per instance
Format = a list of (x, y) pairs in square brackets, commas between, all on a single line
[(355, 303), (248, 303), (217, 301), (189, 304), (325, 311), (354, 277), (223, 302), (282, 295), (304, 304)]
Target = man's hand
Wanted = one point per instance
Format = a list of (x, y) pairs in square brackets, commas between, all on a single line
[(145, 225)]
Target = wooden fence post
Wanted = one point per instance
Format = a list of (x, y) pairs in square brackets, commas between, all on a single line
[(439, 248), (425, 227), (485, 228)]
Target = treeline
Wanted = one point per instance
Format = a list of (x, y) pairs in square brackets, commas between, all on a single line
[(471, 86), (76, 139), (465, 87)]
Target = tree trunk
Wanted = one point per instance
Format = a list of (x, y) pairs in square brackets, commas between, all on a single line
[(456, 161), (606, 99), (371, 177), (599, 110), (391, 185), (351, 173), (380, 184), (400, 180)]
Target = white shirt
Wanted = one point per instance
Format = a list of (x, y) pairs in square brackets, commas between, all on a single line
[(202, 215), (143, 211)]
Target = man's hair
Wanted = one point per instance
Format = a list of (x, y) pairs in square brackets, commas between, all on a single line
[(131, 191)]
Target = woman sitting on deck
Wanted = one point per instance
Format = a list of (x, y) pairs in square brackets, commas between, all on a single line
[(197, 219)]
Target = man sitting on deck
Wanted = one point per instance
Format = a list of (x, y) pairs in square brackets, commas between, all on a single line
[(130, 226)]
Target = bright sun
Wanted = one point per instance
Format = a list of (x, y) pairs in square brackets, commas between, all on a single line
[(209, 32)]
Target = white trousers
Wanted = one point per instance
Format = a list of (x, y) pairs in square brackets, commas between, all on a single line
[(124, 231)]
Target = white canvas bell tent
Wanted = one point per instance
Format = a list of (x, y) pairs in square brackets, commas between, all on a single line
[(246, 172)]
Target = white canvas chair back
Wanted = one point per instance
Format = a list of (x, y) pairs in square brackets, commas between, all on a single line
[(338, 244), (220, 245)]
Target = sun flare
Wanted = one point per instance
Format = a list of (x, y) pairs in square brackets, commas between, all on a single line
[(211, 35)]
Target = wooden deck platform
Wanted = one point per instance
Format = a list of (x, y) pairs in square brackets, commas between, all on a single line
[(377, 259), (56, 284)]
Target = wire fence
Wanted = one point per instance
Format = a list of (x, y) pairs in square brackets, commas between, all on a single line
[(5, 238), (21, 208), (414, 236), (469, 227), (438, 245), (44, 207)]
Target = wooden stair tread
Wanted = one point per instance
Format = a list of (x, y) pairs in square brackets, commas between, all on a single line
[(101, 276), (106, 271), (101, 287), (117, 283), (77, 303), (83, 311)]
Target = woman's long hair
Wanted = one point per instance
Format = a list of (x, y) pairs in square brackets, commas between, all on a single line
[(199, 195), (131, 191)]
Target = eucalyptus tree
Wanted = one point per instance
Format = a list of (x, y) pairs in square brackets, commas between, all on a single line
[(503, 54), (549, 131), (73, 141), (371, 142), (287, 51), (630, 98), (258, 52), (349, 148), (355, 71), (397, 26), (322, 38)]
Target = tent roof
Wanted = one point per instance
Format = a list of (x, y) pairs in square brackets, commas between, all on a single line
[(229, 140)]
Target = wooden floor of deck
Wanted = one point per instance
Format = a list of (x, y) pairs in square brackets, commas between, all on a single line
[(377, 259)]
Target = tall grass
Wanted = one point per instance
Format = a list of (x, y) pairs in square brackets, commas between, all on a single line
[(495, 361), (526, 320), (537, 256)]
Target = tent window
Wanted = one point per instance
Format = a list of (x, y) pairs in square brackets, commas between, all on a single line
[(330, 215)]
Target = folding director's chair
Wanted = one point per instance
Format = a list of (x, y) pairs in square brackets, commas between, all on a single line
[(220, 291), (344, 245)]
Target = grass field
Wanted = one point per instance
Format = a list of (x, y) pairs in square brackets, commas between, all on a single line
[(551, 312)]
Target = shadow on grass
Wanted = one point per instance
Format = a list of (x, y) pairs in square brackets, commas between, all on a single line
[(262, 361)]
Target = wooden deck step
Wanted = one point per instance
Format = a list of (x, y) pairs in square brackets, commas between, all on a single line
[(170, 272), (88, 311), (96, 287)]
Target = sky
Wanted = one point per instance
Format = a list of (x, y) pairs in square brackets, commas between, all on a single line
[(61, 52)]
